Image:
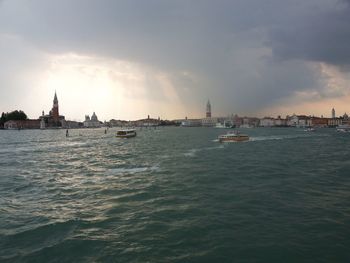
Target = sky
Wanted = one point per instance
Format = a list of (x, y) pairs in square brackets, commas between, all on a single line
[(129, 59)]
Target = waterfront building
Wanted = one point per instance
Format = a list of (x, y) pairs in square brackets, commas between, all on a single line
[(22, 124), (237, 121), (72, 124), (304, 121), (267, 122), (149, 122), (191, 122), (93, 122), (292, 120), (117, 123), (318, 122), (250, 122), (279, 122), (334, 122), (209, 122), (53, 119), (299, 121)]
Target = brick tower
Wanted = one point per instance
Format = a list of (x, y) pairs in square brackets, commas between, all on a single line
[(208, 113), (54, 111)]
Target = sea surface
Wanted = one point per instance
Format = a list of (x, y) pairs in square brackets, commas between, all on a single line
[(174, 194)]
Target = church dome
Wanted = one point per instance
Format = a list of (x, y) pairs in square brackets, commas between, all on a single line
[(94, 117)]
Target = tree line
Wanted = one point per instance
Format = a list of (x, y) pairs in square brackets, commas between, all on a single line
[(12, 116)]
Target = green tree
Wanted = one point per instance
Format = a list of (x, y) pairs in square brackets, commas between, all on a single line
[(13, 116), (16, 115)]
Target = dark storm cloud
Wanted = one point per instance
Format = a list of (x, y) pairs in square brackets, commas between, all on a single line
[(244, 53), (320, 36)]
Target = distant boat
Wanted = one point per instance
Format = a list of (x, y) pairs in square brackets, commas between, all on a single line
[(233, 137), (219, 126), (225, 125), (246, 126), (126, 133), (310, 129), (343, 128)]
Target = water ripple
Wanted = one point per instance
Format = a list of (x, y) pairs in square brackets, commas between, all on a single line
[(174, 195)]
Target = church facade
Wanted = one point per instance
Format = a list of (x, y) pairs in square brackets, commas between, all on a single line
[(53, 119), (92, 122)]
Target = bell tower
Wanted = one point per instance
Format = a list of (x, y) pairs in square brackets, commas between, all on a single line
[(55, 113), (208, 112)]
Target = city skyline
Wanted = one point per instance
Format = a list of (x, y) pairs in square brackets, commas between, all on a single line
[(55, 118), (127, 60)]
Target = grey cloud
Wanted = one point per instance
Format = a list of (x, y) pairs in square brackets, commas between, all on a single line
[(219, 42), (322, 36)]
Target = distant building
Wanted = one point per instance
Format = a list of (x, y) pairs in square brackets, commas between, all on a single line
[(22, 124), (304, 121), (191, 123), (299, 121), (117, 123), (249, 122), (333, 113), (279, 122), (318, 122), (93, 122), (148, 122), (53, 119), (208, 110), (334, 122), (292, 120), (72, 124), (267, 122), (208, 121), (345, 119), (237, 121)]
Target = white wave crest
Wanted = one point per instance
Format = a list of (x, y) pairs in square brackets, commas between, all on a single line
[(134, 170), (192, 152)]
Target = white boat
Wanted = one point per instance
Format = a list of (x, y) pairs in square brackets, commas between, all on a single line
[(233, 137), (246, 126), (225, 125), (126, 133), (219, 126), (343, 128), (310, 129)]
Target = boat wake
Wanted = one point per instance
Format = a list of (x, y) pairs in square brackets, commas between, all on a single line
[(193, 152), (265, 138), (134, 170), (279, 137)]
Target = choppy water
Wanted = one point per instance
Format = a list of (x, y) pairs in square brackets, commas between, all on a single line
[(174, 195)]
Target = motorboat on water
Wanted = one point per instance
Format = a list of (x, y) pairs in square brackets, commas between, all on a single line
[(235, 136), (310, 129), (126, 133)]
